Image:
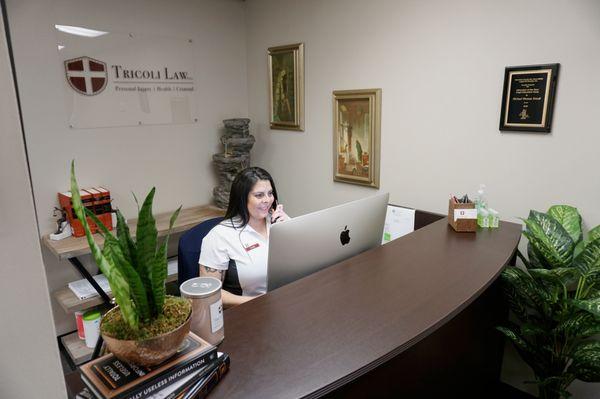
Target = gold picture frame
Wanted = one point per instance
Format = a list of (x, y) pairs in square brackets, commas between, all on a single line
[(286, 87), (357, 136)]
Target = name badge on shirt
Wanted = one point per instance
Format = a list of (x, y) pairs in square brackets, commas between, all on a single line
[(251, 247)]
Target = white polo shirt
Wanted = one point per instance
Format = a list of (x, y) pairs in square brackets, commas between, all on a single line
[(241, 251)]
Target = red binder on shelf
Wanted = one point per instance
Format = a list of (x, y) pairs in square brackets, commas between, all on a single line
[(97, 200)]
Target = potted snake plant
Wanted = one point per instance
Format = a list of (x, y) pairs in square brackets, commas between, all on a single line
[(147, 326), (555, 299)]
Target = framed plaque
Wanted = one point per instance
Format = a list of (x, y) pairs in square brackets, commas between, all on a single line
[(286, 87), (356, 136), (528, 98)]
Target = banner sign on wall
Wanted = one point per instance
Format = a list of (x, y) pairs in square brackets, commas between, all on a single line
[(116, 79)]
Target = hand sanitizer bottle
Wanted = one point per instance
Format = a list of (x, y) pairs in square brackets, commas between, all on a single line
[(480, 201), (483, 218), (494, 218), (481, 206)]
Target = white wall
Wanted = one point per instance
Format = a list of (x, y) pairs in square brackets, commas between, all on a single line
[(177, 159), (441, 67), (29, 364)]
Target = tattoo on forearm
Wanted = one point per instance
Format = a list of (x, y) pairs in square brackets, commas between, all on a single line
[(211, 270)]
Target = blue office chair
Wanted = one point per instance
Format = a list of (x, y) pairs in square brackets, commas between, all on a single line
[(188, 251)]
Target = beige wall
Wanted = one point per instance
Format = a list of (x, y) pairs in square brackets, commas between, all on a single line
[(440, 65), (177, 159), (29, 362)]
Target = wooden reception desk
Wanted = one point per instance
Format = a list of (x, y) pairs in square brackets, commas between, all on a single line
[(412, 318)]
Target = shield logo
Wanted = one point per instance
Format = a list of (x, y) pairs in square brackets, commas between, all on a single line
[(86, 75)]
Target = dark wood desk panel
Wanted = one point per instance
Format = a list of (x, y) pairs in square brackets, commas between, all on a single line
[(460, 359), (319, 333)]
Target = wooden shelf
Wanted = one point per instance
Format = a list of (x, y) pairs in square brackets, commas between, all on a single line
[(76, 348), (188, 217), (72, 247), (70, 303)]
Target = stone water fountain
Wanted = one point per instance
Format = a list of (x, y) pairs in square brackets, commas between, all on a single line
[(237, 142)]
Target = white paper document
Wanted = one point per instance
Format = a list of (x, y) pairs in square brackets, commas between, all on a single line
[(172, 266), (398, 222), (84, 290)]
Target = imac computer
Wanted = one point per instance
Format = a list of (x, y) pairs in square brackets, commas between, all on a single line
[(309, 243)]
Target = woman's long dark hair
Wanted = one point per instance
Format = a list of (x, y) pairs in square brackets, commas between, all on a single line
[(240, 188)]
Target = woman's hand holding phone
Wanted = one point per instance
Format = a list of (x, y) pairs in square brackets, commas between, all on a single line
[(278, 215)]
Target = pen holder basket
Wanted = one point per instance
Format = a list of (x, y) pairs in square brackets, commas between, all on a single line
[(462, 217)]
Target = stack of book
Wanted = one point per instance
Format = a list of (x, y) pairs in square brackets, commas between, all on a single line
[(95, 199), (191, 373)]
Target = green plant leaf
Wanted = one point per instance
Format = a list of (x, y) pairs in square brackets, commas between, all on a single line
[(530, 329), (586, 362), (527, 352), (554, 387), (137, 203), (515, 338), (579, 325), (516, 302), (112, 250), (594, 233), (593, 281), (535, 260), (589, 305), (159, 272), (588, 261), (555, 281), (146, 238), (591, 329), (578, 248), (569, 218), (117, 282), (532, 293), (159, 275), (549, 239), (560, 277), (126, 241), (103, 230)]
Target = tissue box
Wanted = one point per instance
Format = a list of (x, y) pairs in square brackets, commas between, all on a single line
[(462, 217)]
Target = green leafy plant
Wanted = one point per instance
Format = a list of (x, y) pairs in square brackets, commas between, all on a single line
[(136, 269), (556, 300)]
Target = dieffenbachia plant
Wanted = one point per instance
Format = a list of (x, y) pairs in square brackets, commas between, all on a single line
[(136, 270), (556, 299)]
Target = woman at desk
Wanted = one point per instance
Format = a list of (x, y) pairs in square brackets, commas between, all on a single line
[(236, 250)]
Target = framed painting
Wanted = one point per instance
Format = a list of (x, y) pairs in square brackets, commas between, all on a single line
[(286, 87), (357, 136), (528, 98)]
